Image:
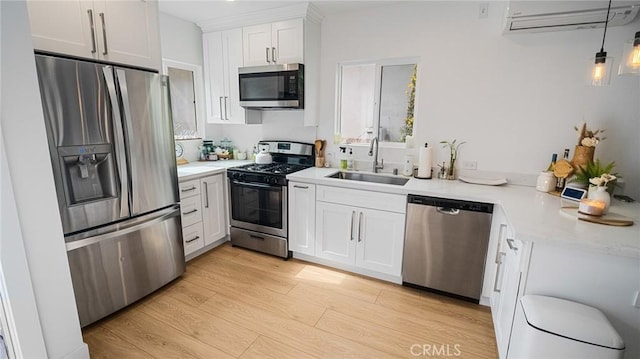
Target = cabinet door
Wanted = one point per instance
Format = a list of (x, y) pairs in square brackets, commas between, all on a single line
[(232, 52), (256, 45), (213, 74), (509, 289), (302, 217), (213, 217), (380, 238), (64, 27), (127, 32), (287, 37), (336, 232)]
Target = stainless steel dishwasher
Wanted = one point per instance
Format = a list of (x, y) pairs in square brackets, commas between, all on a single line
[(446, 245)]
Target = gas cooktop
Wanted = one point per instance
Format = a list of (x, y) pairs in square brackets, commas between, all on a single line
[(272, 168)]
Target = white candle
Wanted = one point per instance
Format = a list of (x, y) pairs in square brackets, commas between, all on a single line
[(591, 207)]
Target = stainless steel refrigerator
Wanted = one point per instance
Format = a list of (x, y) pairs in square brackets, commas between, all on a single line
[(112, 151)]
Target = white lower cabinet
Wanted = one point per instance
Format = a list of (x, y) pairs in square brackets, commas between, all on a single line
[(302, 217), (509, 281), (213, 209), (351, 231), (202, 205)]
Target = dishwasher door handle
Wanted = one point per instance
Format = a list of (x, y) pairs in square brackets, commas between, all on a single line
[(448, 211)]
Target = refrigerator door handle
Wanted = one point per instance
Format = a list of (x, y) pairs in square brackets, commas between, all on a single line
[(126, 109), (118, 142)]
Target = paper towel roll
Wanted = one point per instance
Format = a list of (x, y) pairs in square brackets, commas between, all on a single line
[(424, 162)]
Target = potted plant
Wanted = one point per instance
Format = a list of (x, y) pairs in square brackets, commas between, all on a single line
[(595, 170), (453, 156), (586, 147)]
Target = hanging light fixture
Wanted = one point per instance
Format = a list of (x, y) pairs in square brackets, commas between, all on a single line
[(600, 73), (630, 64)]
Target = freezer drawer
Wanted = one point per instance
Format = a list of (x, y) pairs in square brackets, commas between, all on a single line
[(115, 269)]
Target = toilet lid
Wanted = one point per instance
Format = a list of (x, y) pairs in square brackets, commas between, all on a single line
[(570, 320)]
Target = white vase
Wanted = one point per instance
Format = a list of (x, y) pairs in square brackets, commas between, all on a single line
[(601, 194)]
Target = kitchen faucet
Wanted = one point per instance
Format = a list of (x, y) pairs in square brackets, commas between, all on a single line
[(376, 167)]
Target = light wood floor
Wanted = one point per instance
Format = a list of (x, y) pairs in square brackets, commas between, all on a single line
[(234, 303)]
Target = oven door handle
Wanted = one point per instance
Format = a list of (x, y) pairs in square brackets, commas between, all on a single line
[(253, 184)]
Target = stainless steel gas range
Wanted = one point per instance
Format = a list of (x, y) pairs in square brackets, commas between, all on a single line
[(258, 193)]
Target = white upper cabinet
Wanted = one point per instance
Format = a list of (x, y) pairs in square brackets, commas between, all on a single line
[(276, 43), (124, 32), (222, 57)]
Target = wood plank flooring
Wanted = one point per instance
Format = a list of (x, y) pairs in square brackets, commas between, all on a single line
[(235, 303)]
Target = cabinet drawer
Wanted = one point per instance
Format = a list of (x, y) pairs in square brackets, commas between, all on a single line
[(191, 210), (193, 238), (366, 199), (189, 188)]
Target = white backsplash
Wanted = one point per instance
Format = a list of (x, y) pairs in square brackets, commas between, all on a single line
[(191, 152)]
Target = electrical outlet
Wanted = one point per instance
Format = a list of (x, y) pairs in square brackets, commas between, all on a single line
[(483, 11), (469, 165)]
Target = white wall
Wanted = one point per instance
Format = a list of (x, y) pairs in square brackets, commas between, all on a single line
[(32, 178), (514, 98)]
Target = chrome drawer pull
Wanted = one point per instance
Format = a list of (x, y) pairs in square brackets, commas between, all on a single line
[(189, 189), (194, 239), (190, 212), (511, 244)]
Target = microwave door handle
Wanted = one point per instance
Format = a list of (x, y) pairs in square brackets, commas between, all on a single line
[(118, 140)]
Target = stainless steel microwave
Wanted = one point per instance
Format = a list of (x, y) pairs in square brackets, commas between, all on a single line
[(272, 87)]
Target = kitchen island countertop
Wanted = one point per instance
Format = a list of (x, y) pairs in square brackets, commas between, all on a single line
[(532, 215)]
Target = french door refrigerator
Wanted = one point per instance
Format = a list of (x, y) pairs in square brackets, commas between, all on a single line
[(111, 144)]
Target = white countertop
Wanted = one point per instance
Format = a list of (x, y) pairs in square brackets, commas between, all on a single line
[(198, 169), (532, 215)]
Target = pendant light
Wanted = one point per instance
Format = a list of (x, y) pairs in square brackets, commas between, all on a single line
[(630, 64), (601, 65)]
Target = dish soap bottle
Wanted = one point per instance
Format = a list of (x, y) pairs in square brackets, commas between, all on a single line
[(343, 158), (350, 159)]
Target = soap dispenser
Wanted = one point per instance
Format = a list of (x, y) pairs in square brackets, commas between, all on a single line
[(343, 158), (350, 159)]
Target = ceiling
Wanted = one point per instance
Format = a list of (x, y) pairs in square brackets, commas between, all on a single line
[(203, 10)]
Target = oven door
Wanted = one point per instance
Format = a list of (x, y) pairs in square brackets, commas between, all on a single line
[(259, 207)]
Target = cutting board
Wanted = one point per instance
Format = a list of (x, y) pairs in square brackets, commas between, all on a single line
[(610, 219)]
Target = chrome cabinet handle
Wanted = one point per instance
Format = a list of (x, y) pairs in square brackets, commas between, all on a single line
[(495, 281), (273, 55), (226, 108), (104, 33), (189, 189), (502, 228), (193, 239), (360, 227), (267, 54), (190, 212), (353, 217), (303, 187), (220, 105), (206, 194), (511, 244), (93, 32)]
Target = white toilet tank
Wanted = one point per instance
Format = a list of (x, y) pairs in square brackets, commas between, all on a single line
[(547, 327)]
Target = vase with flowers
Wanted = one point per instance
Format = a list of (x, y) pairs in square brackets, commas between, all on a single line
[(586, 147), (600, 193), (453, 156)]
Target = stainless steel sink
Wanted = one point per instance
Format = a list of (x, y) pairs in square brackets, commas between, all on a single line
[(370, 177)]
